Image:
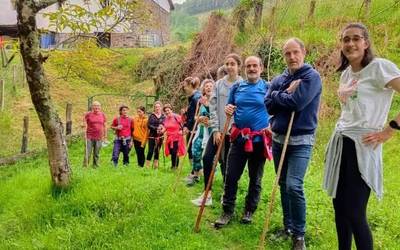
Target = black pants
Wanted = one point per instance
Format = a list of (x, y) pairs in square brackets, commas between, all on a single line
[(154, 147), (174, 154), (139, 152), (208, 158), (237, 159), (190, 154), (351, 202)]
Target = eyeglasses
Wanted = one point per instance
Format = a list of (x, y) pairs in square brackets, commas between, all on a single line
[(355, 39)]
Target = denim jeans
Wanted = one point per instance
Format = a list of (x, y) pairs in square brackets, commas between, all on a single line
[(291, 184), (121, 146)]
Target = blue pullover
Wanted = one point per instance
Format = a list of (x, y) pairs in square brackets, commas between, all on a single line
[(304, 101)]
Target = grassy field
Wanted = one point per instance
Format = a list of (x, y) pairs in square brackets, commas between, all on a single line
[(133, 208)]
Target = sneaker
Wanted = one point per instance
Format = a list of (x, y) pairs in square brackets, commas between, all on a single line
[(246, 217), (281, 234), (223, 220), (197, 202), (192, 180), (298, 243)]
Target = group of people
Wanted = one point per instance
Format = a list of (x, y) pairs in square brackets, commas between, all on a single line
[(258, 113)]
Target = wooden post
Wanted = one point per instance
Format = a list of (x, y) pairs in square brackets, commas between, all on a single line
[(312, 9), (2, 95), (68, 119), (367, 4), (272, 20), (23, 77), (14, 79), (24, 147)]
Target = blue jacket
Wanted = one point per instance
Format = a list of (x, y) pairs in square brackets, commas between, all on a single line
[(304, 101)]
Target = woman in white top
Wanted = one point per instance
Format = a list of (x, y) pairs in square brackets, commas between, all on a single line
[(353, 164)]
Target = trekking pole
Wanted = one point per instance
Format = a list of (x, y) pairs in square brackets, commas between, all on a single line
[(86, 161), (180, 166), (211, 178), (275, 187), (162, 152)]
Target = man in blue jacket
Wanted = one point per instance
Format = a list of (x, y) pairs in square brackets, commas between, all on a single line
[(297, 89)]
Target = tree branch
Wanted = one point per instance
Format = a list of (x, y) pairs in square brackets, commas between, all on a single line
[(46, 3)]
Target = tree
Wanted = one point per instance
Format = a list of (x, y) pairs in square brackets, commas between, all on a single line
[(39, 88)]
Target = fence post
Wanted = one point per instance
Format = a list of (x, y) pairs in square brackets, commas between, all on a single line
[(24, 147), (68, 130), (23, 77), (2, 95), (312, 9), (367, 4)]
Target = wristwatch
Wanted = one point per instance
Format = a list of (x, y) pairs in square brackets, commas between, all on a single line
[(393, 124)]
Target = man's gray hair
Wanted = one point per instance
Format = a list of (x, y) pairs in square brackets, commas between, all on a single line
[(260, 61), (296, 40)]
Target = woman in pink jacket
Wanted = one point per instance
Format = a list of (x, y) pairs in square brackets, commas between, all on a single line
[(173, 127)]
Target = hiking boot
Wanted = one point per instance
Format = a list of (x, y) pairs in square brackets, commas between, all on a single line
[(298, 243), (192, 179), (281, 234), (223, 220), (246, 217), (197, 202)]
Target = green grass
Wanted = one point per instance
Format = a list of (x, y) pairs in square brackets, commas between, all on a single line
[(133, 208)]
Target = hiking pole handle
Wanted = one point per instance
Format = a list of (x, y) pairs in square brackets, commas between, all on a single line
[(276, 183), (211, 178)]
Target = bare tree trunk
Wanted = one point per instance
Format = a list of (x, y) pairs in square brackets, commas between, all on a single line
[(258, 10), (39, 89)]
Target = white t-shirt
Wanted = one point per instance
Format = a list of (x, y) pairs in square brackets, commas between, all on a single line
[(369, 104)]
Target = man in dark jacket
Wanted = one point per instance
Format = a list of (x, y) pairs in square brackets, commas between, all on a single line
[(298, 90)]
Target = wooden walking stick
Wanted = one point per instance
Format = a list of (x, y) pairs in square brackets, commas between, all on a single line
[(180, 166), (276, 183), (86, 163), (211, 178)]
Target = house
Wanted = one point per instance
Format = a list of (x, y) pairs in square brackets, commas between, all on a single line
[(138, 35)]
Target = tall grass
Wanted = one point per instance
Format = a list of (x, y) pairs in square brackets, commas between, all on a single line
[(134, 208)]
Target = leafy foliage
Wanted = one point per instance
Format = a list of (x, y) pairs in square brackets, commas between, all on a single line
[(99, 16), (193, 7), (85, 62)]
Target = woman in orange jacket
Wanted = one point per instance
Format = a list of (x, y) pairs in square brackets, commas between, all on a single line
[(140, 133)]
